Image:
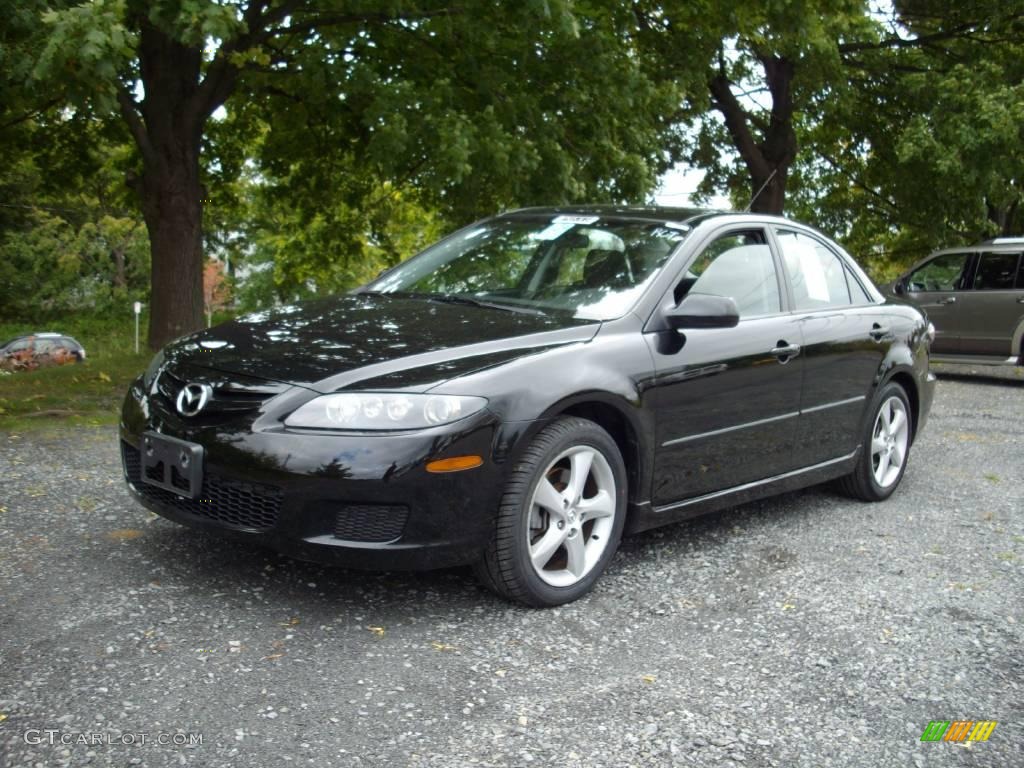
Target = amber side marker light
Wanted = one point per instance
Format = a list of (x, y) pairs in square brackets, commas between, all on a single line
[(454, 464)]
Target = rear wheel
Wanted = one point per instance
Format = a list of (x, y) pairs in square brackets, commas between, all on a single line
[(886, 447), (560, 518)]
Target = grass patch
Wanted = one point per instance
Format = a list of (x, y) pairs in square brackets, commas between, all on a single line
[(88, 393)]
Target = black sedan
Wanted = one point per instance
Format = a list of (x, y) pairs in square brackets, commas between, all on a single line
[(528, 389)]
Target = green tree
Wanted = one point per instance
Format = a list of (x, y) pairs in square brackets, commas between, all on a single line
[(923, 148), (761, 66), (477, 104)]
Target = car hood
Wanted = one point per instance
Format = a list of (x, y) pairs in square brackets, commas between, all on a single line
[(378, 341)]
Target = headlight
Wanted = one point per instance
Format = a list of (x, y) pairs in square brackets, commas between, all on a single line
[(153, 368), (383, 410)]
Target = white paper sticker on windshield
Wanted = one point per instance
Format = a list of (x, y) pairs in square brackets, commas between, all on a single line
[(562, 224), (552, 231), (576, 219)]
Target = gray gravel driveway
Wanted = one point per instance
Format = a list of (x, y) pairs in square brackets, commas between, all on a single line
[(806, 630)]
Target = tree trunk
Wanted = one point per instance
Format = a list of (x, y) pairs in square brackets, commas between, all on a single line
[(120, 281), (1004, 217), (168, 127), (174, 218), (768, 160)]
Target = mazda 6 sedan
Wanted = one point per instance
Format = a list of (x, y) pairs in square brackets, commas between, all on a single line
[(524, 392)]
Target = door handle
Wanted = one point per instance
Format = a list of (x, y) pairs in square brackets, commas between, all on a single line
[(785, 351), (947, 300), (1020, 300), (878, 332)]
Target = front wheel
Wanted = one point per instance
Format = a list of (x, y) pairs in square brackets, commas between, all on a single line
[(560, 518), (886, 448)]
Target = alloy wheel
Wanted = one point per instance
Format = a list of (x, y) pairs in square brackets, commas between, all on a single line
[(889, 440), (571, 517)]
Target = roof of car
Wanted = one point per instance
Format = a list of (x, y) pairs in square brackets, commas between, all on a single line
[(36, 335), (628, 211), (992, 244)]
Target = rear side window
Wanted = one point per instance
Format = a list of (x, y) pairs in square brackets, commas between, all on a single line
[(996, 271), (943, 273), (817, 275)]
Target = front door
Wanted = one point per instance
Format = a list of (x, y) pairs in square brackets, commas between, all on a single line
[(727, 401), (936, 287)]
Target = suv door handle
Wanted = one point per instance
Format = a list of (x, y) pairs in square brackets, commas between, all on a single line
[(785, 351), (877, 331), (947, 300), (1020, 300)]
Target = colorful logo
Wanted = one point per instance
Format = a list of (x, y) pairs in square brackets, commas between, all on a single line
[(958, 730)]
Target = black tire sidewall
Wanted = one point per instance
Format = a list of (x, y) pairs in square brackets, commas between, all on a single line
[(591, 435)]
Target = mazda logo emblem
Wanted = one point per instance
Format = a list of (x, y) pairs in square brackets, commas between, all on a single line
[(193, 398)]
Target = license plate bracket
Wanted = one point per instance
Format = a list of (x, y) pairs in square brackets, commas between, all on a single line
[(172, 464)]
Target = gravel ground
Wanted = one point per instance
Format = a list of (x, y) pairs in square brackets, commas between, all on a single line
[(806, 630)]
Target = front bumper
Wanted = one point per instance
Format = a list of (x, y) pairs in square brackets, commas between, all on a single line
[(363, 501)]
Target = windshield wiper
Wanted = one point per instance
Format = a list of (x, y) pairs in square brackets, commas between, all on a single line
[(457, 298)]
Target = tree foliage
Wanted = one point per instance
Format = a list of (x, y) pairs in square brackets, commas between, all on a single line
[(475, 106), (310, 145), (922, 146)]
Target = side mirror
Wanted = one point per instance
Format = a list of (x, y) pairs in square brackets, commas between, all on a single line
[(900, 286), (703, 310)]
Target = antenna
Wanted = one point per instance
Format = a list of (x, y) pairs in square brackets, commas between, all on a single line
[(758, 193)]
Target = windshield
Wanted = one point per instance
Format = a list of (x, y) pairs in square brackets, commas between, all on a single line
[(592, 266)]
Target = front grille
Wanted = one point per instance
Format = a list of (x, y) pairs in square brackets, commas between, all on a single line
[(227, 400), (233, 503), (375, 523)]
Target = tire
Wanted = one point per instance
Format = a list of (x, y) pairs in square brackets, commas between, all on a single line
[(886, 449), (556, 533)]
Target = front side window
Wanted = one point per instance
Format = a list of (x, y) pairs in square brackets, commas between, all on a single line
[(943, 273), (592, 266), (996, 271), (818, 276), (738, 265)]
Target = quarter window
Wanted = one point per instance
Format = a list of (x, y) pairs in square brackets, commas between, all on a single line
[(817, 275), (738, 265), (943, 273), (858, 292), (996, 271)]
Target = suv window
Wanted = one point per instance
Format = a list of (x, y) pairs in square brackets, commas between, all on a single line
[(996, 271), (817, 275), (943, 273), (738, 265)]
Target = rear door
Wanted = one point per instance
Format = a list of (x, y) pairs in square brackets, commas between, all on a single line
[(937, 287), (993, 306), (727, 400), (846, 335)]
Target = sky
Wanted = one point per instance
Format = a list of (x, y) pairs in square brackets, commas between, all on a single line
[(678, 184)]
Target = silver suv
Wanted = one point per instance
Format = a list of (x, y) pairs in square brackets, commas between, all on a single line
[(974, 296)]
